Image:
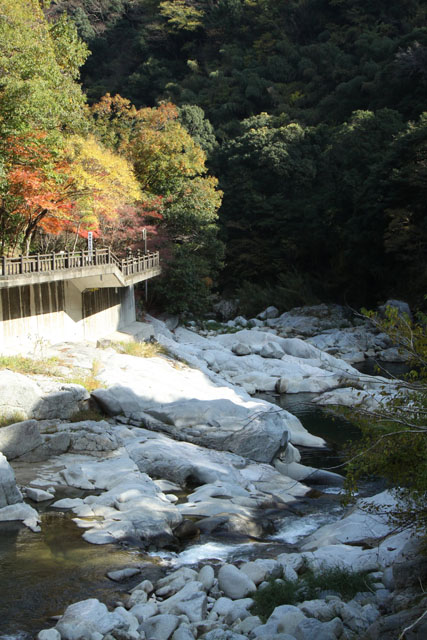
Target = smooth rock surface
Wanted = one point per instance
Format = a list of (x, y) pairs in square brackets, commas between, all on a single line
[(234, 583), (19, 438)]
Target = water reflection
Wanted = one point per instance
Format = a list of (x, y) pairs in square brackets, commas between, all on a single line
[(42, 573)]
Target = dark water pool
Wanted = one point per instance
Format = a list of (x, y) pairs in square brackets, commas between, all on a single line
[(335, 429)]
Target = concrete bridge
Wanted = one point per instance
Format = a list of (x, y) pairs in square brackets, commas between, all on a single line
[(81, 295)]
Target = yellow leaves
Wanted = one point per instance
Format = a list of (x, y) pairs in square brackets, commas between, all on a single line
[(103, 181), (162, 151), (181, 16)]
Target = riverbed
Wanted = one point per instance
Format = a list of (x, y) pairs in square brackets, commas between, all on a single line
[(42, 573)]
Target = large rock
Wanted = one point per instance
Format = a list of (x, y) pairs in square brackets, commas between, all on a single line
[(343, 556), (23, 512), (191, 601), (83, 619), (160, 627), (133, 507), (231, 479), (175, 581), (284, 619), (403, 308), (52, 445), (234, 583), (358, 526), (255, 432), (270, 312), (17, 439), (150, 392), (311, 628), (21, 396), (308, 321), (9, 492)]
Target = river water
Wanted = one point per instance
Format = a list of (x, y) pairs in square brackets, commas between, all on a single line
[(42, 573)]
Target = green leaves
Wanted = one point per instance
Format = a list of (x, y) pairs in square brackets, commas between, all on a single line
[(394, 444), (39, 66)]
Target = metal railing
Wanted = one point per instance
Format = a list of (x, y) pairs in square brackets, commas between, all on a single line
[(41, 263)]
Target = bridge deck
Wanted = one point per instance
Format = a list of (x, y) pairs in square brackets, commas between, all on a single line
[(91, 269)]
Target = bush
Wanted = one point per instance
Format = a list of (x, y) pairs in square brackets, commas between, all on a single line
[(272, 596), (394, 442), (345, 582)]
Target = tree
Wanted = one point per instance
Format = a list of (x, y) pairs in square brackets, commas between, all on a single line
[(72, 187), (39, 64), (200, 129), (182, 15), (170, 167), (34, 189), (394, 443), (102, 182)]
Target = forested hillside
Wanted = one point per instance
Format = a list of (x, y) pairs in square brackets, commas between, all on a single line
[(308, 112), (67, 169), (317, 110)]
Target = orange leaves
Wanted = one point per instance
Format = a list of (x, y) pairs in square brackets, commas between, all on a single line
[(72, 187), (37, 183)]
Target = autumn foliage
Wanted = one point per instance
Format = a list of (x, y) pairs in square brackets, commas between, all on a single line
[(113, 169)]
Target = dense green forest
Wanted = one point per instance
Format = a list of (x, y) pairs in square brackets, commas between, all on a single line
[(317, 109), (309, 112)]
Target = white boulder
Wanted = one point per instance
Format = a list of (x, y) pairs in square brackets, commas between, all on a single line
[(234, 583)]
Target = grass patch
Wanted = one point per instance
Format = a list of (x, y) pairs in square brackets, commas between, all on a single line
[(272, 596), (11, 418), (87, 414), (310, 585), (344, 581), (140, 349), (22, 364), (89, 381)]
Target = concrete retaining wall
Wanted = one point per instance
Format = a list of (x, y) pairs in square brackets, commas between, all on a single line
[(56, 311)]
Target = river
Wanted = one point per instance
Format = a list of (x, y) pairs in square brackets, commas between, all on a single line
[(42, 573)]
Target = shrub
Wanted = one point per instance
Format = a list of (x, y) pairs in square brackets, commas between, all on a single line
[(345, 582), (272, 596)]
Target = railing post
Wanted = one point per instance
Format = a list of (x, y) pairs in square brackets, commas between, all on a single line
[(53, 261), (3, 264), (109, 255), (67, 259), (21, 264)]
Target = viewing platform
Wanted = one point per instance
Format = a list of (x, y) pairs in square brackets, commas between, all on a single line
[(95, 269)]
